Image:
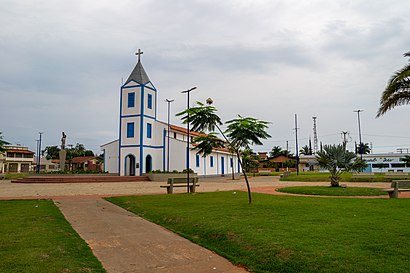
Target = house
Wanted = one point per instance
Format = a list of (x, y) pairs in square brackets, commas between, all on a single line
[(16, 159), (84, 163), (145, 144), (47, 165), (279, 163)]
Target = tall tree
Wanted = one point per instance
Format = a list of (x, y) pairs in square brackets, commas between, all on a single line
[(2, 143), (337, 160), (241, 133), (305, 150), (363, 148), (277, 150), (52, 152), (397, 91)]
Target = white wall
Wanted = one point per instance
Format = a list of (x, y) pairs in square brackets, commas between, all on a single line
[(111, 156)]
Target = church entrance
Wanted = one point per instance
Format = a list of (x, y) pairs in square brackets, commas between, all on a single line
[(148, 164), (130, 165)]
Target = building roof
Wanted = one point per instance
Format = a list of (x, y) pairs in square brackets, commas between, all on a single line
[(81, 159), (138, 74), (184, 130), (20, 151)]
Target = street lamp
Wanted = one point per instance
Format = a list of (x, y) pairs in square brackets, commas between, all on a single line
[(187, 141), (360, 133), (169, 111), (39, 154)]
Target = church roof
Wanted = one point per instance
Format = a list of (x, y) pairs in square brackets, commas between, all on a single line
[(138, 74)]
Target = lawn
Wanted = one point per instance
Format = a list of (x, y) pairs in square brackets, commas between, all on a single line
[(334, 191), (287, 233), (346, 177), (35, 237)]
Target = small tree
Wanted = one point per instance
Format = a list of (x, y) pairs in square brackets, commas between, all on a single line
[(240, 134), (2, 143), (406, 160), (337, 160)]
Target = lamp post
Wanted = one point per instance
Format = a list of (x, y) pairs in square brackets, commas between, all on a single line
[(188, 135), (360, 133), (169, 112), (39, 154)]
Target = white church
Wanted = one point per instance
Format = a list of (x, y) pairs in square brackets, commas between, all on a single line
[(142, 145)]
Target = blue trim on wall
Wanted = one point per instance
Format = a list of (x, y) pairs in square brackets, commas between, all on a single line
[(139, 146), (222, 165), (204, 165), (142, 129), (138, 115), (119, 139), (163, 150), (155, 105)]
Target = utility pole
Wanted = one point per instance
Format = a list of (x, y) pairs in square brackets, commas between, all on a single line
[(360, 133), (345, 138), (297, 146)]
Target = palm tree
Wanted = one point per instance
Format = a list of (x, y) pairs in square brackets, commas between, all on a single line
[(305, 150), (397, 91), (2, 143), (336, 160), (363, 148), (277, 150), (241, 133), (406, 160)]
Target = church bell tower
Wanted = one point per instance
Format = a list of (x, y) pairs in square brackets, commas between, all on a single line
[(138, 115)]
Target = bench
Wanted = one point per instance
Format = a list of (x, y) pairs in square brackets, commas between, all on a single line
[(362, 175), (396, 175), (264, 172), (285, 174), (398, 186), (177, 182)]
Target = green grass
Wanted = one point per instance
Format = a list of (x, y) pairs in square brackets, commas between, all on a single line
[(11, 176), (35, 237), (346, 177), (334, 191), (287, 233)]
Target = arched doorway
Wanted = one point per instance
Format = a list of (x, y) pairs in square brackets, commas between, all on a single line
[(130, 165), (148, 164)]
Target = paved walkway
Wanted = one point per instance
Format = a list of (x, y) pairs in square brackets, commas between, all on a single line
[(126, 243)]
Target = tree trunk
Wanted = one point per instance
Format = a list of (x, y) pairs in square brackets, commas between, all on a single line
[(233, 169), (334, 181), (240, 163)]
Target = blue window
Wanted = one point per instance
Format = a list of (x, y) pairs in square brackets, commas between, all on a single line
[(231, 162), (197, 160), (149, 101), (211, 161), (149, 130), (130, 129), (131, 100)]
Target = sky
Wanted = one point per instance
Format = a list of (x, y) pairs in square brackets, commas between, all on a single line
[(62, 64)]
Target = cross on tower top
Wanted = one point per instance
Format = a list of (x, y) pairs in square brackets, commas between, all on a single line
[(139, 54)]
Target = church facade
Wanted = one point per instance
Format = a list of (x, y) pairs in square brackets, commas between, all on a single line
[(144, 141)]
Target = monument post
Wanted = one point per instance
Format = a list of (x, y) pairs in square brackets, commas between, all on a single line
[(63, 153)]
